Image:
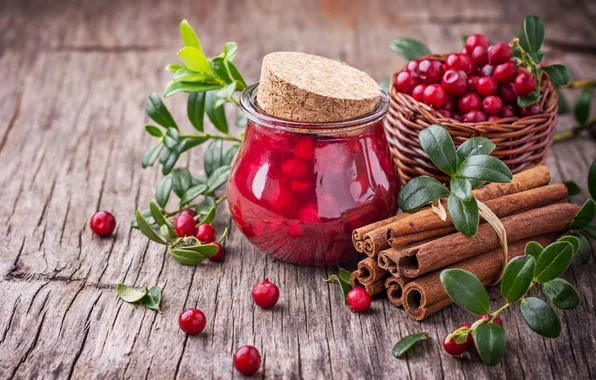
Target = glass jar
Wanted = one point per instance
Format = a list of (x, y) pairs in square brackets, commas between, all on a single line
[(298, 189)]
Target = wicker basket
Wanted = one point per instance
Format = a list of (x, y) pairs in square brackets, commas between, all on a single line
[(521, 142)]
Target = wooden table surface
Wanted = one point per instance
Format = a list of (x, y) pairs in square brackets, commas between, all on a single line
[(75, 76)]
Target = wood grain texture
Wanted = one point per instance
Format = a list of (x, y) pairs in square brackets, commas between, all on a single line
[(75, 79)]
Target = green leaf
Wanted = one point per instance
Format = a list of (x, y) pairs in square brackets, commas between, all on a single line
[(168, 160), (152, 299), (210, 215), (464, 214), (559, 74), (344, 275), (438, 145), (157, 215), (226, 91), (463, 39), (484, 168), (525, 101), (592, 180), (584, 216), (419, 192), (585, 248), (181, 181), (218, 178), (189, 37), (151, 156), (195, 109), (163, 190), (229, 155), (465, 290), (561, 101), (147, 230), (153, 130), (490, 342), (581, 109), (171, 138), (540, 317), (190, 194), (405, 343), (475, 146), (130, 294), (534, 32), (561, 294), (517, 277), (212, 158), (344, 286), (191, 76), (240, 83), (572, 188), (534, 249), (409, 48), (219, 67), (205, 206), (573, 240), (216, 115), (193, 255), (176, 87), (591, 230), (553, 261), (461, 188), (536, 57), (173, 68), (194, 59), (158, 111)]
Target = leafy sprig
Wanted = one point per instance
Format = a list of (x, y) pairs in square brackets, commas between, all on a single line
[(149, 297)]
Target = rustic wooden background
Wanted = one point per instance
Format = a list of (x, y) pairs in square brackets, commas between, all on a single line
[(75, 76)]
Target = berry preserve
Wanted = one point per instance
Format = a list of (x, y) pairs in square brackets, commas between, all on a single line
[(297, 190)]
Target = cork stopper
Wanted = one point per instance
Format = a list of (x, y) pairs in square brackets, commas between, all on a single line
[(305, 87)]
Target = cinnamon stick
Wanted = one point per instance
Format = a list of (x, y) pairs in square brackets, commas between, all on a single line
[(370, 272), (358, 233), (395, 286), (425, 295), (424, 258), (371, 289)]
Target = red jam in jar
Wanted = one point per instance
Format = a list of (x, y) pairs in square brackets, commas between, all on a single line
[(297, 190)]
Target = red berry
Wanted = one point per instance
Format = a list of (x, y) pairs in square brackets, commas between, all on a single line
[(265, 294), (449, 104), (530, 110), (508, 111), (188, 211), (486, 86), (460, 62), (405, 82), (447, 113), (295, 168), (492, 105), (525, 83), (475, 116), (418, 92), (219, 255), (476, 40), (434, 95), (505, 72), (358, 300), (430, 71), (205, 233), (192, 321), (487, 70), (247, 360), (457, 116), (102, 223), (479, 56), (305, 149), (300, 186), (472, 83), (469, 102), (493, 118), (499, 53), (454, 349), (412, 67), (507, 93), (455, 82), (497, 320), (184, 225)]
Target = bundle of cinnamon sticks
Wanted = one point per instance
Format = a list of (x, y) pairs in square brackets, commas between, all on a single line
[(406, 253)]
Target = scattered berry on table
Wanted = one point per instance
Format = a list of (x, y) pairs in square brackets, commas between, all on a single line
[(455, 349), (184, 225), (247, 360), (265, 294), (102, 223), (192, 321), (205, 233), (219, 255), (358, 300)]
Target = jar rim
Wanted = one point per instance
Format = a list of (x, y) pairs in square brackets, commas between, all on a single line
[(253, 112)]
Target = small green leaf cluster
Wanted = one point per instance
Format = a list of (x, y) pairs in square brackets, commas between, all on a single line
[(468, 166), (343, 279), (539, 265), (150, 298)]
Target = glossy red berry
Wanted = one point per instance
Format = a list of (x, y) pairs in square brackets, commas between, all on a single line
[(455, 349), (102, 223), (188, 211), (305, 149), (405, 82), (487, 71), (475, 40), (508, 111), (479, 56), (446, 113), (205, 233), (455, 82), (475, 116), (192, 321), (505, 72), (530, 110), (486, 86), (449, 104), (295, 168), (493, 118), (460, 62), (418, 92), (499, 53), (247, 360), (492, 105), (525, 83), (472, 80), (219, 255), (430, 71), (184, 225), (497, 320), (469, 102), (265, 294), (412, 67), (358, 300), (507, 93), (434, 95)]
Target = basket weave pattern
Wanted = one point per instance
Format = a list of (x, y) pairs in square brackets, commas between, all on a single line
[(520, 142)]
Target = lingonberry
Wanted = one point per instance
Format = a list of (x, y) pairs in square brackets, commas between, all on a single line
[(505, 72), (479, 56), (492, 105), (460, 62), (358, 300), (295, 168), (475, 116), (102, 223), (455, 82), (447, 113), (475, 40), (430, 71), (493, 118), (499, 53), (412, 67), (469, 102), (525, 83), (507, 93), (219, 255), (472, 80), (265, 294), (449, 104), (247, 360), (487, 70), (486, 86), (497, 320), (458, 116), (418, 92), (188, 211), (184, 225), (405, 82), (530, 110), (192, 321), (434, 95), (305, 149), (507, 111), (205, 233), (455, 349)]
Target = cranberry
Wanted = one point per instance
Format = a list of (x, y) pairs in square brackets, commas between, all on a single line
[(184, 225), (247, 360), (102, 223), (434, 95), (205, 233), (475, 116), (487, 70), (472, 83), (412, 67), (418, 91), (460, 62), (455, 349), (358, 300), (455, 82), (192, 321), (430, 71), (305, 149), (499, 53), (475, 40), (497, 320), (508, 111), (446, 113), (493, 118), (405, 82), (300, 186), (525, 83), (469, 102), (295, 168), (492, 105), (219, 255), (265, 294), (479, 56), (507, 93), (486, 86), (530, 110), (505, 72), (449, 104), (188, 211), (458, 116)]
